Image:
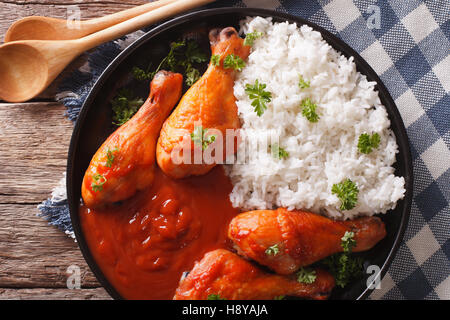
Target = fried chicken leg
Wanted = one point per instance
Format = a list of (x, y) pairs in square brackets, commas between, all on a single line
[(224, 273), (298, 238), (125, 162), (209, 103)]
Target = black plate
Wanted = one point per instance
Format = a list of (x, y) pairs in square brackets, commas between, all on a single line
[(94, 126)]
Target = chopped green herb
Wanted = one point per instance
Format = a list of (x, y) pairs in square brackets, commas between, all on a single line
[(278, 152), (194, 54), (192, 75), (141, 74), (309, 110), (347, 192), (367, 142), (251, 37), (302, 83), (215, 297), (279, 297), (347, 241), (124, 106), (215, 60), (344, 267), (233, 61), (273, 250), (179, 60), (110, 156), (259, 96), (175, 55), (199, 137), (182, 57), (306, 275), (99, 181)]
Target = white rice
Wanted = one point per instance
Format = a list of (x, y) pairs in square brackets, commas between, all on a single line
[(320, 154)]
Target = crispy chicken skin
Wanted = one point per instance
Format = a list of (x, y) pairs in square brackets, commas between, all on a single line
[(234, 278), (125, 162), (301, 237), (209, 103)]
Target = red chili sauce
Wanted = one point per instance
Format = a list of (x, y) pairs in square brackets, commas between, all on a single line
[(145, 244)]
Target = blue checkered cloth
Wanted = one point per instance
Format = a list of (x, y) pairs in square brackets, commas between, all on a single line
[(407, 43)]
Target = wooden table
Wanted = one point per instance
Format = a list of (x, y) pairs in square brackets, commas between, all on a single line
[(34, 139)]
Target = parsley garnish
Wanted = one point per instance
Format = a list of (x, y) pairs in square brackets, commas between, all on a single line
[(347, 192), (182, 57), (141, 74), (306, 275), (367, 142), (110, 156), (273, 250), (302, 83), (259, 96), (233, 61), (251, 37), (199, 138), (278, 297), (99, 181), (343, 266), (192, 75), (124, 106), (347, 241), (184, 60), (215, 297), (278, 152), (309, 110), (215, 60), (194, 54), (175, 55)]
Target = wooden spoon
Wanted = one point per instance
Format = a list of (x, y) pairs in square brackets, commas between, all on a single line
[(45, 28), (27, 67)]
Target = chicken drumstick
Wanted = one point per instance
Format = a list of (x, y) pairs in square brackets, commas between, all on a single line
[(125, 162), (209, 104), (298, 238), (224, 273)]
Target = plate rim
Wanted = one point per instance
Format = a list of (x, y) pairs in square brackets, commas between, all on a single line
[(337, 44)]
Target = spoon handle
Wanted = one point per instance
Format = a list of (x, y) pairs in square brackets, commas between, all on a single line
[(138, 22), (47, 28), (97, 24)]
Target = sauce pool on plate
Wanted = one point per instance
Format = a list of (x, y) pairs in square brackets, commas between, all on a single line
[(145, 244)]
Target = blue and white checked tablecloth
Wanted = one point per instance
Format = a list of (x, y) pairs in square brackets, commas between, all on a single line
[(407, 42)]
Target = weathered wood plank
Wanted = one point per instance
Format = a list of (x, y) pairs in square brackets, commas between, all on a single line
[(72, 2), (34, 140), (34, 254), (54, 294)]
